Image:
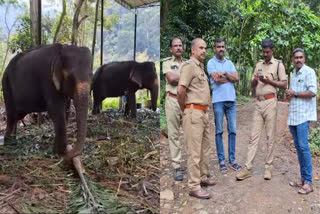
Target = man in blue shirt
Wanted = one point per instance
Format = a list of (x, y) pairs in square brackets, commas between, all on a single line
[(223, 75), (302, 110)]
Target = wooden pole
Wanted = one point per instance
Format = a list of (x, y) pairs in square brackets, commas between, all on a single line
[(135, 34), (94, 32), (101, 51)]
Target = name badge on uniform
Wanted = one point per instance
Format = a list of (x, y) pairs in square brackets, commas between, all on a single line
[(259, 70), (300, 80), (174, 67)]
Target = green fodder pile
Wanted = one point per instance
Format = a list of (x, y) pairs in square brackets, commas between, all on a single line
[(120, 159)]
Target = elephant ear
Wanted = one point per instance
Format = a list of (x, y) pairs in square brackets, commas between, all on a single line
[(56, 70), (136, 75)]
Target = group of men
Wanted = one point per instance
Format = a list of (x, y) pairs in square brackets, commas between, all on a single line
[(188, 98)]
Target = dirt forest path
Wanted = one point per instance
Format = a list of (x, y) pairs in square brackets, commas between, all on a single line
[(253, 195)]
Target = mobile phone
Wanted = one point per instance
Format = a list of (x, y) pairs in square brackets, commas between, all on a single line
[(261, 76)]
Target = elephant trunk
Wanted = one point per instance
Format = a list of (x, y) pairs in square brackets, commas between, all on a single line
[(81, 98), (154, 94)]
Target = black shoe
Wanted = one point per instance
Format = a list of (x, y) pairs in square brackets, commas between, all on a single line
[(178, 176)]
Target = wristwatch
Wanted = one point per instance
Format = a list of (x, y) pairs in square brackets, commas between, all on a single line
[(296, 94)]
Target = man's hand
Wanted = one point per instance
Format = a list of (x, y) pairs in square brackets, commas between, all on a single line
[(290, 93), (217, 75), (265, 79), (182, 92), (173, 79), (256, 76), (181, 116)]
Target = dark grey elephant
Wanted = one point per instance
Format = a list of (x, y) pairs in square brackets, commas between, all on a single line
[(119, 78), (44, 79)]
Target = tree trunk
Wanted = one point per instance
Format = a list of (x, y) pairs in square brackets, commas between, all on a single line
[(163, 14), (76, 23), (94, 31), (35, 15), (60, 21)]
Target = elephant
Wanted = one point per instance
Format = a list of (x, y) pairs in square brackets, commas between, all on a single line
[(124, 78), (45, 79)]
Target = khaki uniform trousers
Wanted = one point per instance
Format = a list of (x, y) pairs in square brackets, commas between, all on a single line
[(196, 133), (264, 114), (173, 122)]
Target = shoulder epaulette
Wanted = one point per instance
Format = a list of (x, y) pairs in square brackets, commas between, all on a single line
[(168, 58)]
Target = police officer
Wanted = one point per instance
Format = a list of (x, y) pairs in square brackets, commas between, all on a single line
[(268, 75), (194, 98), (171, 70)]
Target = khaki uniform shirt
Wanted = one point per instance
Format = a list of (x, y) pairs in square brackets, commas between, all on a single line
[(192, 77), (170, 64), (270, 70)]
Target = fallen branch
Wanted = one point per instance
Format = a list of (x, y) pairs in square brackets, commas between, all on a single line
[(77, 164), (120, 182), (13, 207), (136, 124), (5, 197)]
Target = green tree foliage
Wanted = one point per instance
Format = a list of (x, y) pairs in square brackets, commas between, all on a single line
[(244, 24), (22, 39), (64, 35)]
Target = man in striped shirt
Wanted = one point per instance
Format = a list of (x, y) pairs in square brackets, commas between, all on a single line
[(302, 110)]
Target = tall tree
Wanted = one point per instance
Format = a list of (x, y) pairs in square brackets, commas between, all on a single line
[(64, 6), (95, 29), (35, 15), (76, 23)]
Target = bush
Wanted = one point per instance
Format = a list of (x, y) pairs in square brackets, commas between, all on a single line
[(163, 120), (314, 139), (110, 103), (243, 99)]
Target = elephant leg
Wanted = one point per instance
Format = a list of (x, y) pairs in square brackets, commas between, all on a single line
[(11, 129), (57, 112), (127, 110), (132, 104), (97, 106), (68, 103), (12, 121), (39, 118)]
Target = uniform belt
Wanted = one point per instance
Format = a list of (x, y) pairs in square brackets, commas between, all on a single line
[(173, 95), (266, 97), (196, 106)]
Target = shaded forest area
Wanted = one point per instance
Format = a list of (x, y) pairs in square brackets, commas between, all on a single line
[(244, 24)]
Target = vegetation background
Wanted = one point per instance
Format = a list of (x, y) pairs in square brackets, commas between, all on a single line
[(118, 35), (243, 24)]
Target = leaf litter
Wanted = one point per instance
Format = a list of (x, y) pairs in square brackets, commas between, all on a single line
[(120, 158)]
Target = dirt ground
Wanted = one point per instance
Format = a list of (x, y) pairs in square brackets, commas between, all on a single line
[(120, 159), (253, 195)]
